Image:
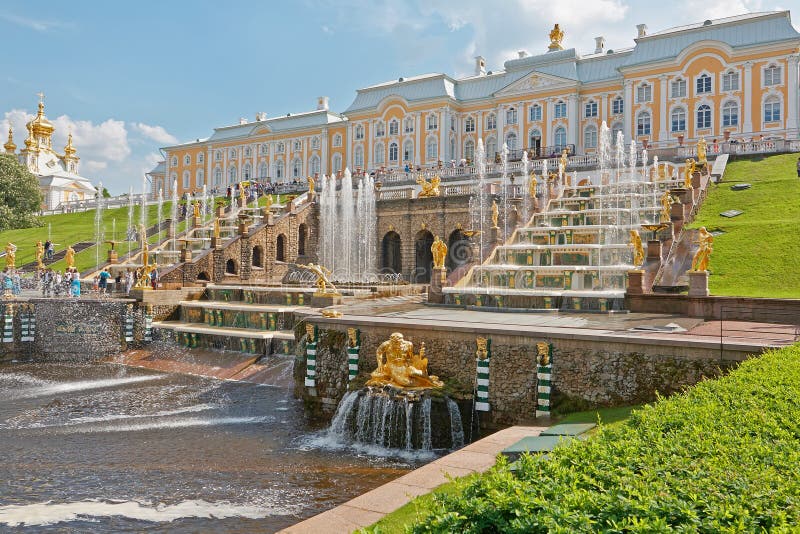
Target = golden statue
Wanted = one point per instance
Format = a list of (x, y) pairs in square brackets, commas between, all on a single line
[(429, 189), (144, 280), (324, 284), (309, 331), (270, 200), (666, 207), (11, 255), (39, 254), (331, 313), (197, 209), (563, 161), (216, 227), (241, 195), (705, 241), (482, 351), (556, 36), (352, 337), (69, 257), (439, 251), (688, 172), (311, 185), (701, 152), (532, 185), (543, 353), (399, 367), (638, 250), (495, 213)]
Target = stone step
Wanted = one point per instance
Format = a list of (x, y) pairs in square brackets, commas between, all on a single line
[(223, 331)]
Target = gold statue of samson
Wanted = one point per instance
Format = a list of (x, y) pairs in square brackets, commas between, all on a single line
[(399, 367)]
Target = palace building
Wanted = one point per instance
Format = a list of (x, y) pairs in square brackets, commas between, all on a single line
[(734, 78), (57, 173)]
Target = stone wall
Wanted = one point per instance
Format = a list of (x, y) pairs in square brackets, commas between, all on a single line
[(602, 370)]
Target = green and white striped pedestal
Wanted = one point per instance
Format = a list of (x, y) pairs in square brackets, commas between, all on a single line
[(8, 324), (482, 390), (544, 369), (353, 348), (127, 326), (311, 357), (148, 327), (27, 324)]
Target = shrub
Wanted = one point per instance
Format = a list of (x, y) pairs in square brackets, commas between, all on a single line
[(720, 457)]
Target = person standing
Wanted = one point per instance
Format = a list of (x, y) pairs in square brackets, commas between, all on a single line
[(75, 284), (798, 167), (103, 283)]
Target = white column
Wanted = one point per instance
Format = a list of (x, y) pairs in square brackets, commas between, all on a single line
[(501, 132), (323, 164), (663, 134), (306, 141), (747, 123), (604, 105), (444, 127), (418, 136), (240, 160), (627, 109), (272, 162), (349, 159), (791, 105), (370, 148), (521, 136), (548, 125), (209, 168), (224, 166), (573, 120)]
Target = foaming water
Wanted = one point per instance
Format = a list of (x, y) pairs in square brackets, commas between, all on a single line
[(177, 423), (71, 387), (48, 513), (325, 441)]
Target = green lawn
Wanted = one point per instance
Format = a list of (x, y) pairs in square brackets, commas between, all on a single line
[(756, 254)]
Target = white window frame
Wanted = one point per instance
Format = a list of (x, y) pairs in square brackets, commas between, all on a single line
[(511, 116), (380, 154), (644, 93), (772, 75), (590, 136), (703, 122), (491, 122), (644, 127), (469, 125), (535, 112), (432, 122), (431, 149), (730, 81), (704, 84), (677, 118), (394, 147), (730, 119), (380, 129), (774, 103), (394, 127), (560, 110), (590, 109), (617, 106), (677, 88)]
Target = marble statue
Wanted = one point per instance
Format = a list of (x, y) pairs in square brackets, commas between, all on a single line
[(399, 367), (439, 251)]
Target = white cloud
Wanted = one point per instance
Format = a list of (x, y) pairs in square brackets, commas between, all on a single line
[(33, 24), (327, 30), (156, 133)]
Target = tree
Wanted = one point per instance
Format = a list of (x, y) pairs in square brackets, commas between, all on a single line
[(106, 194), (20, 196)]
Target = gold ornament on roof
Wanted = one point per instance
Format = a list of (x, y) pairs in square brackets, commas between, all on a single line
[(399, 367), (429, 189), (439, 251), (69, 150), (556, 36), (638, 249), (705, 241), (10, 146)]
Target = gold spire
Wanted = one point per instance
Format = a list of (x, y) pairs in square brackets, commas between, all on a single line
[(40, 127), (29, 141), (556, 36), (69, 150), (10, 146)]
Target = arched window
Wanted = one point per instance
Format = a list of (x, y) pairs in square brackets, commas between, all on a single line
[(590, 136), (359, 131), (469, 125), (200, 158), (217, 176), (703, 117), (200, 178), (247, 152), (246, 172), (678, 120), (535, 112), (616, 129), (772, 109), (314, 165), (432, 122), (297, 168), (358, 156), (380, 154), (187, 159), (380, 129), (393, 153), (173, 182), (394, 127), (315, 141), (643, 123), (511, 116), (772, 75), (232, 175), (469, 150), (337, 140), (280, 148), (431, 149), (391, 253), (262, 171), (534, 139), (230, 267), (408, 151), (336, 162), (280, 247), (232, 153), (174, 161), (703, 84), (491, 148), (279, 174), (264, 149), (730, 114), (511, 141), (218, 155), (258, 256), (297, 146), (560, 136), (491, 121), (186, 178)]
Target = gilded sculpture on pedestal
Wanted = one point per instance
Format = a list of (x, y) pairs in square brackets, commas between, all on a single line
[(705, 247), (11, 255), (197, 209), (439, 251), (532, 185), (543, 353), (482, 352), (495, 213), (429, 189), (688, 172), (399, 367), (311, 186), (638, 249), (69, 258), (701, 152), (556, 36), (39, 254), (352, 337), (324, 284), (666, 206), (216, 228)]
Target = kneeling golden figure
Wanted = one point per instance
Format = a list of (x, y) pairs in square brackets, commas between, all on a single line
[(399, 367)]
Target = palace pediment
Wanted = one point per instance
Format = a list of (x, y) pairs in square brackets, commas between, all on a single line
[(535, 81)]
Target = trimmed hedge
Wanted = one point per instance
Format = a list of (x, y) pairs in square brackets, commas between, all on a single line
[(724, 456)]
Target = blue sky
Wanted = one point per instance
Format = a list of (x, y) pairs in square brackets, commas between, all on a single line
[(129, 77)]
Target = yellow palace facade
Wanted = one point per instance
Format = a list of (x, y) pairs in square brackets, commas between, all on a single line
[(734, 78)]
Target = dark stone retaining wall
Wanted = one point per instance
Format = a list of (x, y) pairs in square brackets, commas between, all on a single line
[(603, 371)]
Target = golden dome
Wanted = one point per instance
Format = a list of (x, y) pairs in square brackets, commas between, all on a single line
[(69, 150), (10, 146), (40, 126)]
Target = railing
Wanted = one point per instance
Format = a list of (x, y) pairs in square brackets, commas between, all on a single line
[(85, 205), (542, 152)]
